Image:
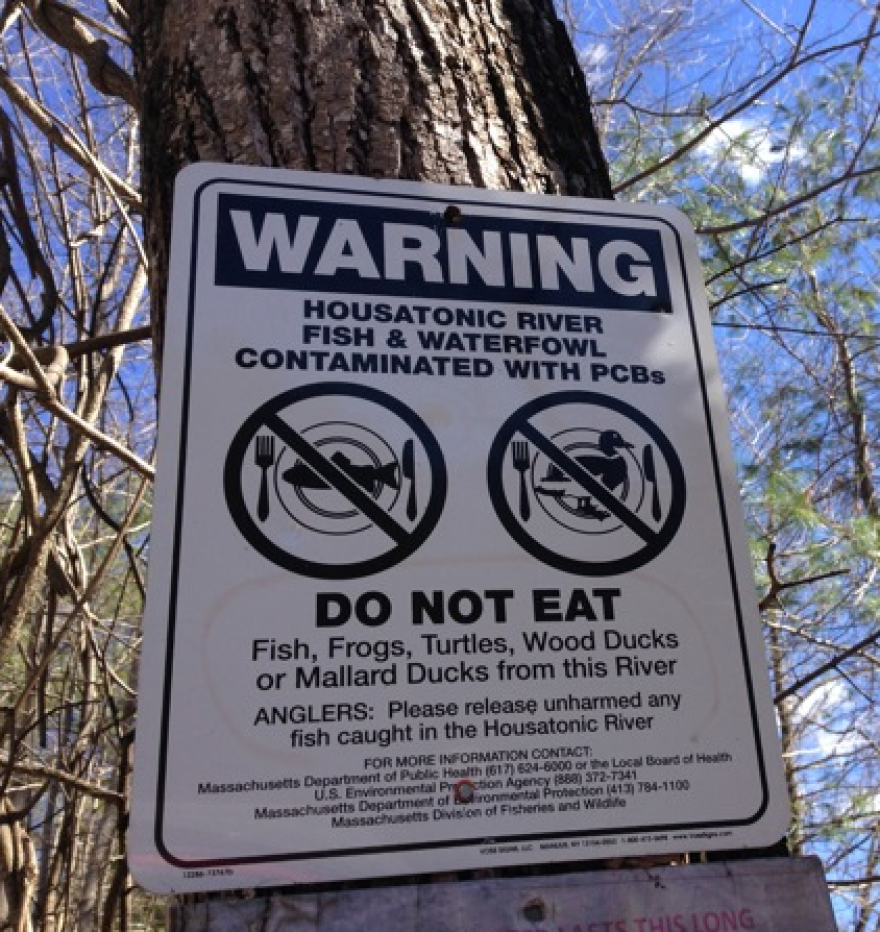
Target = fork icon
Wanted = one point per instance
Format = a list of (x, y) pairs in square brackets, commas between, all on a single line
[(520, 452), (264, 458)]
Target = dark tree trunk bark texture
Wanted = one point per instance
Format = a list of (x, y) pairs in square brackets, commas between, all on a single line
[(479, 92)]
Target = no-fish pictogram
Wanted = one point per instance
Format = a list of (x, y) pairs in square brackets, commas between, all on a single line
[(586, 483), (335, 481)]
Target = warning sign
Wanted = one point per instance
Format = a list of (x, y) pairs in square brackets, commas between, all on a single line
[(448, 569)]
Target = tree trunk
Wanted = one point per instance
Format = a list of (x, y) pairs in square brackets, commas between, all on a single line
[(484, 92)]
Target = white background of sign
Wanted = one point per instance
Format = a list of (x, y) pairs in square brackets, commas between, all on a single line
[(640, 724)]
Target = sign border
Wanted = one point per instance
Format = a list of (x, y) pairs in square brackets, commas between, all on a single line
[(192, 192)]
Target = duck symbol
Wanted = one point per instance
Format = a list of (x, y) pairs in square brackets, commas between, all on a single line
[(609, 465)]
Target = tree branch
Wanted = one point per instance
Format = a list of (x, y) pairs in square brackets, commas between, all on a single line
[(825, 667), (66, 27)]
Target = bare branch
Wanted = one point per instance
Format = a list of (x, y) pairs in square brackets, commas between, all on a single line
[(67, 27), (58, 134)]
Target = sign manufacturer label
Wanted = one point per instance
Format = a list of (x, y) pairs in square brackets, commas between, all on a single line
[(448, 568)]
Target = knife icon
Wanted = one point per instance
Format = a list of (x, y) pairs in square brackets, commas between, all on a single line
[(408, 467), (651, 476)]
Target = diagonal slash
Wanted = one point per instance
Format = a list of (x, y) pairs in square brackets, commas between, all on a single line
[(588, 482), (332, 474)]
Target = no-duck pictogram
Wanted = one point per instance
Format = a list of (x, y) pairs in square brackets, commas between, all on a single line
[(586, 483)]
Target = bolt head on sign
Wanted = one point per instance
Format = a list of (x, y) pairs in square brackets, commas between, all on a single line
[(448, 569)]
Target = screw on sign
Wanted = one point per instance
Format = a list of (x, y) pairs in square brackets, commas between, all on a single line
[(586, 483), (335, 481)]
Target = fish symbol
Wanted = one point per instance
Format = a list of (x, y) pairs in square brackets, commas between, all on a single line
[(367, 477)]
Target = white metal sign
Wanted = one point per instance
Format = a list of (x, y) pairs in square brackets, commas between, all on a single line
[(448, 568)]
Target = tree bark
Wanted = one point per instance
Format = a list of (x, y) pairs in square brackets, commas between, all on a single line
[(479, 92)]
